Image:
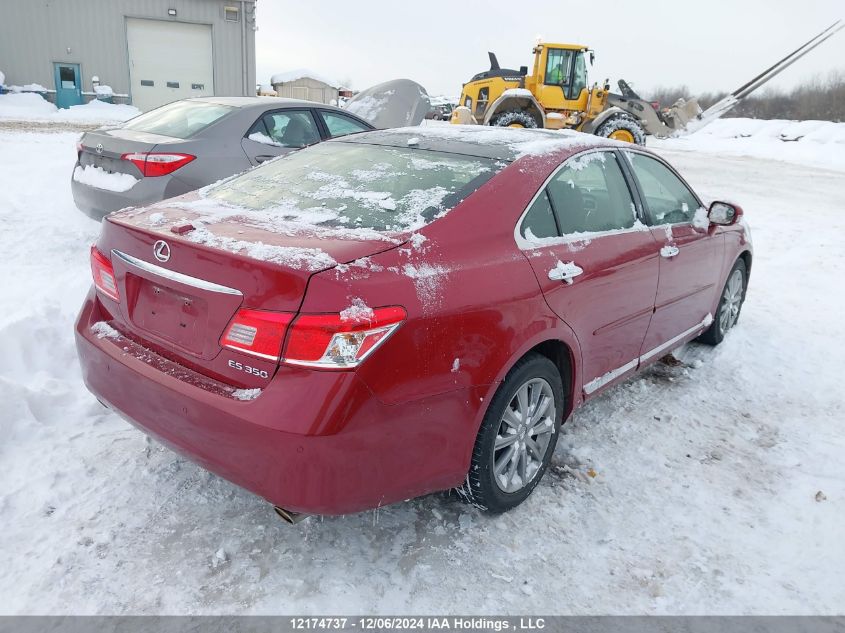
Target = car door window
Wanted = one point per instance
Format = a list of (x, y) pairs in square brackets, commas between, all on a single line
[(340, 125), (289, 128), (590, 195), (669, 200)]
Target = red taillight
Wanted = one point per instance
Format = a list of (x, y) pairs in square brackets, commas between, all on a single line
[(157, 164), (257, 332), (103, 273), (331, 342)]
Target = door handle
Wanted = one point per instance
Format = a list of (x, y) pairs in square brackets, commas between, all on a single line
[(263, 158), (565, 272), (669, 251)]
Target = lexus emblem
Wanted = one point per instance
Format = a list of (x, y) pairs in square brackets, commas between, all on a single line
[(99, 148), (161, 250)]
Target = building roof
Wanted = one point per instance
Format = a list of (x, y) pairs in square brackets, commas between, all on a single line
[(302, 73)]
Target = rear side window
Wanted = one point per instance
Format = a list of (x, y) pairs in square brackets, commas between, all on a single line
[(539, 222), (180, 119), (289, 128), (590, 195), (668, 198), (354, 185), (340, 125)]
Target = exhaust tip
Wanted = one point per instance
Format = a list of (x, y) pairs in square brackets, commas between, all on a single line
[(289, 516)]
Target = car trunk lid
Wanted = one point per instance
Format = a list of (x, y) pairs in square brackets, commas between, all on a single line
[(104, 149), (181, 280)]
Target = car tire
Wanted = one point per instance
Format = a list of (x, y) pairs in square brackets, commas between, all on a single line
[(730, 305), (623, 128), (495, 483), (514, 118)]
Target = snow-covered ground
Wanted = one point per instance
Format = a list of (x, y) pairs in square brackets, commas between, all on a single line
[(29, 106), (810, 143), (704, 498)]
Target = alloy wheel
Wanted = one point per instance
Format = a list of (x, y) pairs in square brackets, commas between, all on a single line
[(731, 301), (523, 436)]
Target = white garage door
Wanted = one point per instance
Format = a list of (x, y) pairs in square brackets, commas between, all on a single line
[(168, 61)]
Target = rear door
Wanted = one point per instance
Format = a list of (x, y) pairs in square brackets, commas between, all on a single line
[(690, 253), (278, 133), (595, 261)]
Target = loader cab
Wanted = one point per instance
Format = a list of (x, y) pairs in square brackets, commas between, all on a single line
[(560, 76)]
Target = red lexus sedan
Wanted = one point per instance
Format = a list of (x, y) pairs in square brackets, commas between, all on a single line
[(404, 311)]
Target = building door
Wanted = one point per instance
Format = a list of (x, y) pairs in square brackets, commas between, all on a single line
[(68, 84), (168, 61)]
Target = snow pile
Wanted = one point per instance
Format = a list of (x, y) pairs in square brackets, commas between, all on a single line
[(519, 141), (260, 137), (427, 281), (27, 88), (291, 256), (817, 143), (104, 330), (29, 106), (357, 312), (25, 105), (246, 394), (94, 176), (517, 92), (302, 73), (565, 271), (700, 219), (96, 111)]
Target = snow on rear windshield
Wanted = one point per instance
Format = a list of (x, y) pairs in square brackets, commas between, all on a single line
[(180, 119), (351, 185)]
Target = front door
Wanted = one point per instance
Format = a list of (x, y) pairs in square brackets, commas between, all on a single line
[(690, 255), (68, 84), (596, 263)]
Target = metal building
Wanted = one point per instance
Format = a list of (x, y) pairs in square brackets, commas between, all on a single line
[(150, 52), (305, 84)]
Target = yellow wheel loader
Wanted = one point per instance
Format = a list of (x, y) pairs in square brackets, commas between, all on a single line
[(556, 95)]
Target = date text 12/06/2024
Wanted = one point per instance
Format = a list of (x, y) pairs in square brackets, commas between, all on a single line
[(419, 623)]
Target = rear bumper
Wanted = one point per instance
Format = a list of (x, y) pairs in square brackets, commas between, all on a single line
[(313, 441), (97, 203)]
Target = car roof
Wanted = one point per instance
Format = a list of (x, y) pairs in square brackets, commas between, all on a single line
[(263, 102), (483, 141)]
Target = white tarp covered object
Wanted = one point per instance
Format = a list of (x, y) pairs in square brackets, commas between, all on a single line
[(395, 103)]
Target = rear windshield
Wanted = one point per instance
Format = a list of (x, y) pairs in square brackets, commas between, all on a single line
[(358, 186), (180, 119)]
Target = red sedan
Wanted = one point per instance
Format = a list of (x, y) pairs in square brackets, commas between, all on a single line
[(404, 311)]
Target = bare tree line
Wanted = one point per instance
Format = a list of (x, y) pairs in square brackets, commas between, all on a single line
[(817, 98)]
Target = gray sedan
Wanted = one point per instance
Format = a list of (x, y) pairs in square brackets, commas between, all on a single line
[(188, 144)]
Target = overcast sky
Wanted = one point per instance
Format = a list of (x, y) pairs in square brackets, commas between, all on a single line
[(707, 45)]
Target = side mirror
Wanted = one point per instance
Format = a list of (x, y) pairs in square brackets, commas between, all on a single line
[(523, 70), (724, 213)]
